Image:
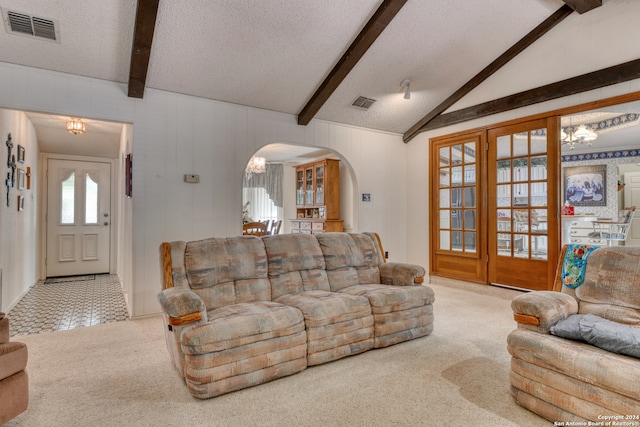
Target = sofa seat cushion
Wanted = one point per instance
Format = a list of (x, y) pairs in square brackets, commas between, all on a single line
[(240, 324), (401, 313), (581, 361), (387, 299), (322, 308), (338, 325)]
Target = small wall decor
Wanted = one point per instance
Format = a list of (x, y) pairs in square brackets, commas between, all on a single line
[(20, 203), (20, 154), (11, 165), (22, 177), (28, 177), (128, 189), (9, 184), (585, 185)]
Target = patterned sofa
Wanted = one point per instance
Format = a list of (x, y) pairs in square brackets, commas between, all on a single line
[(241, 311), (576, 353)]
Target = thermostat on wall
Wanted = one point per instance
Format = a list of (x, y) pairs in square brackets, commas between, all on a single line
[(192, 179)]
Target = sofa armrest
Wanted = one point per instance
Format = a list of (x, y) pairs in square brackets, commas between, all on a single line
[(542, 309), (401, 274), (182, 306)]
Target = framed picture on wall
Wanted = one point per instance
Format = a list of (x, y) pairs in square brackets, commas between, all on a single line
[(22, 176), (20, 154), (585, 185)]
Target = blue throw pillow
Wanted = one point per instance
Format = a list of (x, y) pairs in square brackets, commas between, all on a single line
[(568, 328), (605, 334)]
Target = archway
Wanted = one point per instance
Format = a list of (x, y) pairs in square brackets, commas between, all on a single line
[(290, 155)]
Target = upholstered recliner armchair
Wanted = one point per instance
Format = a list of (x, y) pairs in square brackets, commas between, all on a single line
[(14, 384), (576, 353)]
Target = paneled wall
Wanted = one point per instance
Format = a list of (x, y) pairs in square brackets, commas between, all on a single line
[(174, 134), (19, 241)]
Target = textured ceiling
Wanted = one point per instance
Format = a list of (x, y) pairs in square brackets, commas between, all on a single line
[(273, 54)]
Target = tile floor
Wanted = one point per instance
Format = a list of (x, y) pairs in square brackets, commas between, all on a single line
[(69, 304)]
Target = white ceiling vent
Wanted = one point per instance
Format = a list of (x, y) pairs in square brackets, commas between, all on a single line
[(363, 102), (26, 25)]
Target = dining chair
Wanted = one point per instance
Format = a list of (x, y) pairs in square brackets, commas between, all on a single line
[(254, 229), (614, 230)]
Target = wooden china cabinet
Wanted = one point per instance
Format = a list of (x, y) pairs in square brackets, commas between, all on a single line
[(317, 197)]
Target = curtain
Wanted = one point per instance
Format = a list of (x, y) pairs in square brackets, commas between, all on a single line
[(270, 180)]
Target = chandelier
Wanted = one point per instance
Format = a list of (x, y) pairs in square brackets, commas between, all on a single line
[(256, 165), (572, 136), (75, 126)]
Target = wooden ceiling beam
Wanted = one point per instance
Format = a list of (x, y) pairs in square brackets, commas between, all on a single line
[(585, 82), (145, 25), (376, 25), (490, 69), (583, 6)]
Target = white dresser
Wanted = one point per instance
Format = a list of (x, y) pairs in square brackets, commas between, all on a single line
[(579, 233)]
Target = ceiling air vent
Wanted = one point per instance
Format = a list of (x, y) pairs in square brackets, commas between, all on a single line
[(26, 25), (363, 102)]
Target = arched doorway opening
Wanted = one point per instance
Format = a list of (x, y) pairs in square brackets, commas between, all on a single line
[(257, 203)]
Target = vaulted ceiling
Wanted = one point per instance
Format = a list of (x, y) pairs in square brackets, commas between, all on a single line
[(310, 58)]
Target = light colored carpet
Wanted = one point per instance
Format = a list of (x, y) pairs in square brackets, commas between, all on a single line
[(119, 374)]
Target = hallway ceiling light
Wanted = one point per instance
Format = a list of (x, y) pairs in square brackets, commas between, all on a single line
[(76, 126)]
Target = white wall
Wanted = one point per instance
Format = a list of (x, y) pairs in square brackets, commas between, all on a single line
[(19, 230), (175, 134)]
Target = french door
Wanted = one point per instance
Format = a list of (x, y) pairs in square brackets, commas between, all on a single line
[(458, 208), (522, 204), (78, 217)]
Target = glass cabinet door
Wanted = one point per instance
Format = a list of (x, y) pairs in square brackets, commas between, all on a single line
[(299, 187), (308, 182), (319, 185)]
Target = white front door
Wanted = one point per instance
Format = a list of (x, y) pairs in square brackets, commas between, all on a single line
[(632, 198), (78, 217)]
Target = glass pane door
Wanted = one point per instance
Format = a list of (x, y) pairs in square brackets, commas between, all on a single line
[(522, 211), (521, 195), (457, 198)]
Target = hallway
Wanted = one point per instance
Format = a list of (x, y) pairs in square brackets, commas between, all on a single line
[(67, 303)]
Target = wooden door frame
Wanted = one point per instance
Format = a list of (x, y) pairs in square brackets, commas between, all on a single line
[(524, 272), (464, 266)]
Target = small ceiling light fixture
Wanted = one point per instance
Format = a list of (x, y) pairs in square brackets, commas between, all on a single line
[(405, 85), (256, 165), (76, 126), (572, 136)]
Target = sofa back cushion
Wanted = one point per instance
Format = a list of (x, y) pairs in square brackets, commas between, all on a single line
[(224, 271), (296, 264), (350, 258), (611, 287)]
